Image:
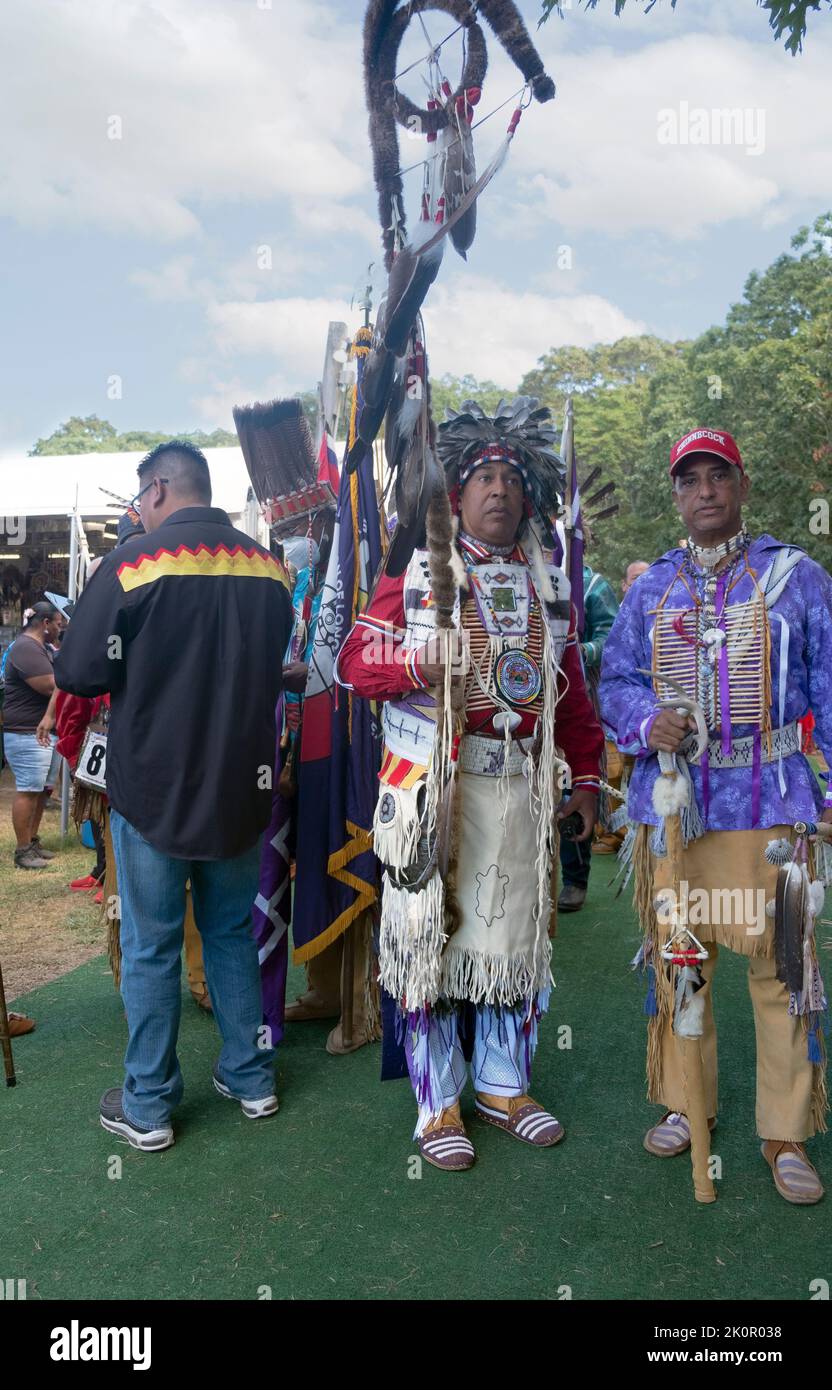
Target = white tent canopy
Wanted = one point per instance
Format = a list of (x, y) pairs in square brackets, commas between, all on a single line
[(49, 484)]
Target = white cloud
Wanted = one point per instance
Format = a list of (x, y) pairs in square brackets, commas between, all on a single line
[(271, 264), (474, 324), (478, 325), (291, 331), (218, 103), (593, 160)]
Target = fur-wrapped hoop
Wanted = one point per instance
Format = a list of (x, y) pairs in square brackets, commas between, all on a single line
[(384, 28)]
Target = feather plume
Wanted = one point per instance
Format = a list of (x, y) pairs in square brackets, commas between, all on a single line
[(416, 485), (591, 477), (607, 512), (600, 494), (277, 447), (382, 370), (460, 176), (411, 276), (406, 408), (670, 795)]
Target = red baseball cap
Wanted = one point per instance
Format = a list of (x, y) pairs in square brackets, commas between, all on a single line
[(705, 441)]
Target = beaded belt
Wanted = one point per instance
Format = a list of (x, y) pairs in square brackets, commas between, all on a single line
[(784, 742), (486, 756)]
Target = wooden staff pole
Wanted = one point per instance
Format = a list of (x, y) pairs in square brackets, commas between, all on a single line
[(567, 445), (691, 1058), (5, 1037)]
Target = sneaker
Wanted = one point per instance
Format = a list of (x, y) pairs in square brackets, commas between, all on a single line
[(113, 1119), (572, 898), (252, 1109), (29, 858), (42, 853), (84, 885)]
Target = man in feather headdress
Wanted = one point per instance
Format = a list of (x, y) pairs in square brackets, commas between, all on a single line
[(742, 626), (485, 714)]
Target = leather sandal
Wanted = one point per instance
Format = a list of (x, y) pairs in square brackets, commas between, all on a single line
[(524, 1119), (446, 1145), (794, 1176), (671, 1136)]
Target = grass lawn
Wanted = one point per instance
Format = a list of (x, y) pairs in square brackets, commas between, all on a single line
[(325, 1201), (45, 930)]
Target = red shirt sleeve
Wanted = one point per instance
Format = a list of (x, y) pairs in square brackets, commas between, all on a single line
[(73, 714), (578, 731), (373, 662)]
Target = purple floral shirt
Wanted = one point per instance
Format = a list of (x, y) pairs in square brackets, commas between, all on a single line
[(801, 629)]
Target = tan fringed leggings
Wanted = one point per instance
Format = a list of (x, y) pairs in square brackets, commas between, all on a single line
[(791, 1092), (785, 1076)]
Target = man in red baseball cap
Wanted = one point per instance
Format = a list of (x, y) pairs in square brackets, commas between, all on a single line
[(732, 632), (710, 486)]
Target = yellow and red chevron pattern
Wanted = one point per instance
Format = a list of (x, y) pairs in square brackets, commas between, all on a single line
[(210, 563), (400, 772)]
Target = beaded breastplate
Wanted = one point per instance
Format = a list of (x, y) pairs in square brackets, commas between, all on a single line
[(688, 645)]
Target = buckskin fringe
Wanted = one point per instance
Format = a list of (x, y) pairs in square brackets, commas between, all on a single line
[(495, 979), (412, 936)]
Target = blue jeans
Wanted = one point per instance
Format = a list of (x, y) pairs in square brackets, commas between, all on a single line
[(151, 887), (35, 768)]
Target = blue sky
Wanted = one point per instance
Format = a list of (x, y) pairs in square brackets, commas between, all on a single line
[(243, 126)]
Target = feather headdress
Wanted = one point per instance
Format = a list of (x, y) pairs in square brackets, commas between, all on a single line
[(522, 428)]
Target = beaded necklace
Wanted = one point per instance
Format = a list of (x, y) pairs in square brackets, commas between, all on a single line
[(704, 557)]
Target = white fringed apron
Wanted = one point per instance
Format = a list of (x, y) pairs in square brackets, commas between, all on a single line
[(497, 955)]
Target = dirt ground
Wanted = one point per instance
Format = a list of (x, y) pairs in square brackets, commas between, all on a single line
[(45, 930)]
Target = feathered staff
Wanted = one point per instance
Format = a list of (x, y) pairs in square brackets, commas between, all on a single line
[(396, 385)]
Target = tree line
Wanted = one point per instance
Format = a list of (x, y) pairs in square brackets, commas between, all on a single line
[(765, 375)]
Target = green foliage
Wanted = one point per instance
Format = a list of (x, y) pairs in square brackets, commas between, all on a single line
[(449, 392), (77, 436), (93, 436), (787, 17), (610, 385), (766, 376)]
